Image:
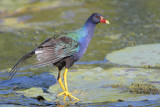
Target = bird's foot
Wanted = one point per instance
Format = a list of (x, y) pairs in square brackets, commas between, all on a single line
[(66, 93)]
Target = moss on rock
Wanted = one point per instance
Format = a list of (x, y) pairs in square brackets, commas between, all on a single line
[(138, 88), (143, 89)]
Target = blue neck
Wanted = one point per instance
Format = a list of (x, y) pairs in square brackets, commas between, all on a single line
[(84, 36), (88, 30), (89, 26)]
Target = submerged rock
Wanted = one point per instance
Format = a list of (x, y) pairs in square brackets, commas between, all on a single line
[(140, 56)]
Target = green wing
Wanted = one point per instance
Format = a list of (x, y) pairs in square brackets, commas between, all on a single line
[(50, 51), (53, 50)]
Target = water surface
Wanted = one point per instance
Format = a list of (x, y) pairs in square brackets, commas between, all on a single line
[(25, 24)]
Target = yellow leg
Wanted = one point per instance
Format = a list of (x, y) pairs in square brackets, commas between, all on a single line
[(66, 93), (61, 84), (60, 80), (65, 79)]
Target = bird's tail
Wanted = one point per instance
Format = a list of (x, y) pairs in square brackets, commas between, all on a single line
[(20, 62)]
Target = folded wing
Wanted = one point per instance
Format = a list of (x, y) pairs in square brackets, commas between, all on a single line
[(50, 51)]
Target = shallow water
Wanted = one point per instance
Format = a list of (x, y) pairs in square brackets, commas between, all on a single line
[(24, 25)]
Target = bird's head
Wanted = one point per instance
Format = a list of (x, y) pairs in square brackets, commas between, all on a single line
[(98, 18)]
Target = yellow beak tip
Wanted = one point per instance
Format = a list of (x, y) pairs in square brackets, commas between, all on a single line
[(107, 22)]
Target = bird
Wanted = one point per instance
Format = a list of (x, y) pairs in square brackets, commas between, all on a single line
[(63, 51)]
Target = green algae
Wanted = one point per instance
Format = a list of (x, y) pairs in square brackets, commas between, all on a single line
[(147, 56), (138, 88), (34, 92), (101, 85), (143, 89)]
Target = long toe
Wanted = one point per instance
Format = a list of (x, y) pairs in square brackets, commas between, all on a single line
[(68, 94), (61, 93), (71, 96)]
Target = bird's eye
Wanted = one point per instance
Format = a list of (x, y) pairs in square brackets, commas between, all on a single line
[(98, 17)]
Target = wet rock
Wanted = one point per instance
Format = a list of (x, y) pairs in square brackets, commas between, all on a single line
[(15, 88), (145, 100), (130, 106), (120, 100), (40, 98)]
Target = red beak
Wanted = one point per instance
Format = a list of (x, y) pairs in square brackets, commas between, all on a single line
[(102, 20)]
